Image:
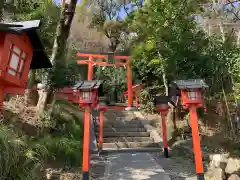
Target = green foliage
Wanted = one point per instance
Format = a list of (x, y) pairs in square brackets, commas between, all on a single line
[(166, 35), (147, 96), (64, 143), (18, 161), (47, 11), (65, 75), (107, 19), (62, 149)]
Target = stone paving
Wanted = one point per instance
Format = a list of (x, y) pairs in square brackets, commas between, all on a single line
[(178, 167), (141, 166), (130, 166)]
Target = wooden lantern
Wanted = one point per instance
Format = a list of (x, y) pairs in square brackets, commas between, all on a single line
[(20, 51), (191, 91), (161, 102), (69, 94), (88, 92)]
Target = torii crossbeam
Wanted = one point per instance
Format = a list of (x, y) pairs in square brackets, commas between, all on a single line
[(108, 59)]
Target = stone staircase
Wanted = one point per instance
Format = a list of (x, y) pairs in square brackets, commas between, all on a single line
[(123, 131)]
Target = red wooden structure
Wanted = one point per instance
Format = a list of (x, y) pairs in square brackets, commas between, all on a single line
[(88, 98), (68, 94), (108, 59), (162, 107), (102, 107), (136, 93), (191, 96), (20, 51)]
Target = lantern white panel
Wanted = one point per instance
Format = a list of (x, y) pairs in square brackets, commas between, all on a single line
[(14, 61), (86, 95), (24, 56), (192, 95), (17, 50), (12, 72)]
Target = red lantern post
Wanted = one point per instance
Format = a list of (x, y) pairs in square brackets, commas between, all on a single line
[(161, 103), (20, 51), (192, 99), (102, 107), (88, 97)]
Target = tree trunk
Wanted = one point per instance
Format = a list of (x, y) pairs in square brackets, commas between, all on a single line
[(164, 76), (228, 110), (113, 44), (238, 38), (59, 48), (42, 101), (222, 32), (31, 96), (209, 28)]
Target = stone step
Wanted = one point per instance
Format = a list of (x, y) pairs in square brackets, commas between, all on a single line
[(108, 151), (125, 134), (127, 139), (120, 145), (122, 122), (121, 125), (117, 129)]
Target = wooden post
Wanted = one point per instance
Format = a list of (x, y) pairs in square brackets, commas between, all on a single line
[(101, 131), (129, 80), (87, 129), (164, 133), (86, 144), (196, 143), (90, 68)]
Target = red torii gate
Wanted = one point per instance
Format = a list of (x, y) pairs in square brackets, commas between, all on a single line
[(120, 61)]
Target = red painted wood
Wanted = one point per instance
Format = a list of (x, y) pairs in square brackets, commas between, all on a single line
[(8, 79)]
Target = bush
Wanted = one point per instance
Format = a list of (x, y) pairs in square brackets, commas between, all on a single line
[(146, 98), (62, 149), (64, 143), (17, 160)]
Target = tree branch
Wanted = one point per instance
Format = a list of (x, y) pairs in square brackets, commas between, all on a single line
[(124, 7), (235, 14)]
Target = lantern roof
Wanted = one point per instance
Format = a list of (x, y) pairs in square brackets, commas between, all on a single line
[(190, 84), (87, 85), (161, 99), (40, 59)]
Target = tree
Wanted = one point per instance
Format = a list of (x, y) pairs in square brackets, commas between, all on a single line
[(169, 44), (109, 19), (58, 53)]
